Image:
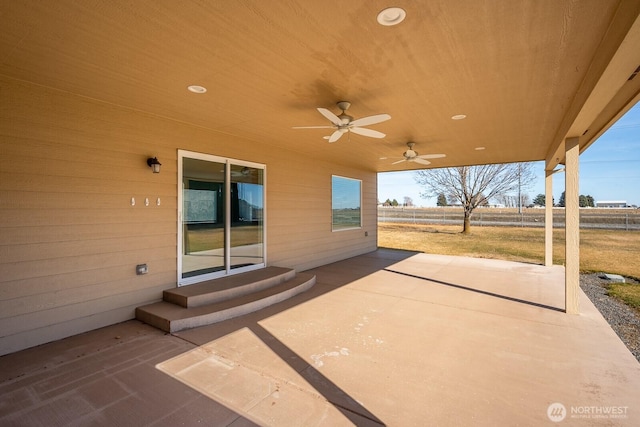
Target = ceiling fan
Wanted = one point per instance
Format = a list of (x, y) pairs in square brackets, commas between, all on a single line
[(245, 171), (412, 156), (345, 123)]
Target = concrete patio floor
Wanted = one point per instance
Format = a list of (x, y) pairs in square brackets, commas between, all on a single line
[(388, 338)]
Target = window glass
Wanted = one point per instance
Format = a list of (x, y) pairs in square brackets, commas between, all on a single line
[(346, 197)]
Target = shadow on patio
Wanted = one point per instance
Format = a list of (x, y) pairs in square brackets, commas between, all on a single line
[(386, 338)]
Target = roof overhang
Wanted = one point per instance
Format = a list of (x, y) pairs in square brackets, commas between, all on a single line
[(608, 91)]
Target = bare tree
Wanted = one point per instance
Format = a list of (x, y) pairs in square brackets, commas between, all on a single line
[(408, 201), (507, 200), (473, 186)]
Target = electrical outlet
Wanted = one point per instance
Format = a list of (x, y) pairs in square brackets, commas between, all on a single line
[(141, 269)]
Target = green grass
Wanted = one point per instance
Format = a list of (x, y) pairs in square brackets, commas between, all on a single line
[(629, 293)]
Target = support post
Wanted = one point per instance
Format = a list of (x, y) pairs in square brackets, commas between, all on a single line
[(572, 226), (548, 218)]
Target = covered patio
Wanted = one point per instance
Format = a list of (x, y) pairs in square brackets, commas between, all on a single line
[(385, 338), (96, 92)]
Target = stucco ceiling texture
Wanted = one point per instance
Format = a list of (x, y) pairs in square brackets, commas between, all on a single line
[(527, 74)]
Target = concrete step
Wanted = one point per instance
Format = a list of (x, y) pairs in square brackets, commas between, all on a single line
[(225, 288), (171, 317)]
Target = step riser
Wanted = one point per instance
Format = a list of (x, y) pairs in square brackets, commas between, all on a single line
[(217, 296), (219, 316), (153, 320), (239, 291), (264, 289)]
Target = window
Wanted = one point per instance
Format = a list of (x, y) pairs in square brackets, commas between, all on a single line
[(346, 197)]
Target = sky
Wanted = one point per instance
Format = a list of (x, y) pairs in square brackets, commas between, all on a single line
[(609, 170)]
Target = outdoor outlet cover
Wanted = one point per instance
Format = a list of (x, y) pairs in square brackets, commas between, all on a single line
[(141, 269)]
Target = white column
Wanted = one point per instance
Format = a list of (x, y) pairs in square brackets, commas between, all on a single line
[(548, 218), (572, 226)]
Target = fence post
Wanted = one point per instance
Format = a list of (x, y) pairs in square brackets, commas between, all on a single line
[(626, 221)]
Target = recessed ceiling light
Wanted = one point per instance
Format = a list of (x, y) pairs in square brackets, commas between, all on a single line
[(479, 148), (459, 117), (391, 16), (197, 89)]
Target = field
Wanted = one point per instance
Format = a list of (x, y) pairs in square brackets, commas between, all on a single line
[(620, 219), (608, 251)]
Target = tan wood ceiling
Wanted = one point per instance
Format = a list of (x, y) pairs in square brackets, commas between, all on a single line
[(526, 73)]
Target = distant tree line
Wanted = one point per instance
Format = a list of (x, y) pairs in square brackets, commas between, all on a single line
[(584, 201), (408, 202)]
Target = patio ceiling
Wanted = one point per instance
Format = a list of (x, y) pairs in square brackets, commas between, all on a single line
[(527, 74)]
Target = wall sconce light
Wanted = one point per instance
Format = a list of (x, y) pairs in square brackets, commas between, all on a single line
[(154, 164)]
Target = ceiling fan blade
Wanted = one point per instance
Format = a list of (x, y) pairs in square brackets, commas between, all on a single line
[(312, 127), (371, 120), (367, 132), (421, 161), (432, 156), (335, 136), (399, 161), (329, 115)]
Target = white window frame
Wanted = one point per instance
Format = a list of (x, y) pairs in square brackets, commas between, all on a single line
[(358, 227)]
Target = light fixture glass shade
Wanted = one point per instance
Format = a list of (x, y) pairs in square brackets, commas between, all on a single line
[(154, 164), (391, 16)]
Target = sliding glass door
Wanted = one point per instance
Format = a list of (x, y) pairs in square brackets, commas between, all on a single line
[(221, 217), (247, 212)]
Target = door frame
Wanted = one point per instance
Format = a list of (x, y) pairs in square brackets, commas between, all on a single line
[(228, 271)]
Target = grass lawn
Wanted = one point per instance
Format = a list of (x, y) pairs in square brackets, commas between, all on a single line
[(627, 292), (609, 251)]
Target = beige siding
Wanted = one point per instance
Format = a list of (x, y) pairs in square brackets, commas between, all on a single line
[(70, 239)]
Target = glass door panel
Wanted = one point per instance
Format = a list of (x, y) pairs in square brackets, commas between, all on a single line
[(203, 217), (221, 206), (247, 214)]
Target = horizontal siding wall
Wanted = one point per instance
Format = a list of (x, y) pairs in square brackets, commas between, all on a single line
[(315, 243), (70, 238)]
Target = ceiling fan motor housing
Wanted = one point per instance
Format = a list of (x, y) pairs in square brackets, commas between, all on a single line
[(410, 154), (346, 119)]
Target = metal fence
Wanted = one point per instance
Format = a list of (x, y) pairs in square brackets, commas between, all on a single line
[(628, 220)]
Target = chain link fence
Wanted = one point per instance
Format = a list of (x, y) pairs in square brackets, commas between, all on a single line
[(608, 219)]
